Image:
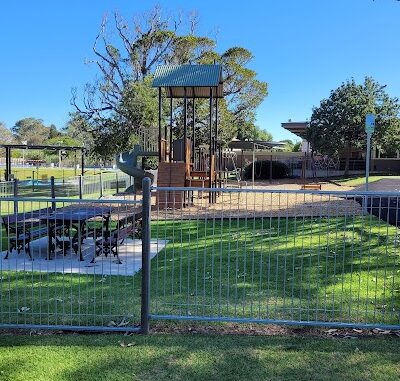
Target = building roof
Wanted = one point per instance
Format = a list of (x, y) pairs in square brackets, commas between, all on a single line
[(248, 145), (297, 128), (42, 147), (197, 79)]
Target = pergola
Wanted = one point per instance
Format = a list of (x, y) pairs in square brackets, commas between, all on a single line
[(188, 82), (10, 147), (253, 145)]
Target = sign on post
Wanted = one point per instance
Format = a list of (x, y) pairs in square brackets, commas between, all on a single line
[(369, 123), (369, 129)]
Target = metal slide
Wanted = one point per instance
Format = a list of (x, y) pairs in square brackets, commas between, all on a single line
[(127, 163)]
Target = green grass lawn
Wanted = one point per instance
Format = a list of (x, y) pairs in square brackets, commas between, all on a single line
[(356, 181), (297, 269), (196, 357)]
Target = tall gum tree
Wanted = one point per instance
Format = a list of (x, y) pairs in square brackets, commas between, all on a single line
[(121, 101)]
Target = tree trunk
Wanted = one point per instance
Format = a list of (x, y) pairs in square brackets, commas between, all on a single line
[(348, 153)]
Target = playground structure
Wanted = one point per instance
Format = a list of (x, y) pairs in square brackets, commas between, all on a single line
[(181, 162)]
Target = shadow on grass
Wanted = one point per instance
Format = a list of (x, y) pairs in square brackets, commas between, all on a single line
[(199, 357)]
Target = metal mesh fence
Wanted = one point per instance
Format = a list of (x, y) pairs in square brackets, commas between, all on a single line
[(70, 264), (6, 188), (244, 255), (88, 186), (323, 258)]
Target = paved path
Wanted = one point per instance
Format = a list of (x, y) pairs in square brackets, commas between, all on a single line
[(385, 185)]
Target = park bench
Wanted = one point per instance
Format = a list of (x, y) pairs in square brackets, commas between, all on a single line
[(22, 229), (107, 239), (311, 187)]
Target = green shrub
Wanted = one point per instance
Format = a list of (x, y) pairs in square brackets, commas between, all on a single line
[(262, 168)]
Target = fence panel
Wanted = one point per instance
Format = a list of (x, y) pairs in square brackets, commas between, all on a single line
[(6, 188), (294, 257), (70, 264)]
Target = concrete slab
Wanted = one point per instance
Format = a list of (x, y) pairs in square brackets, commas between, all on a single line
[(130, 254)]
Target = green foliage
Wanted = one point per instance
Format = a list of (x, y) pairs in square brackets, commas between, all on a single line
[(121, 103), (31, 130), (337, 125), (247, 130), (339, 120), (262, 170), (291, 146), (6, 136)]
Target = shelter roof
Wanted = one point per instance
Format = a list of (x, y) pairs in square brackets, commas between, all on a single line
[(249, 145), (42, 147), (196, 79), (297, 128)]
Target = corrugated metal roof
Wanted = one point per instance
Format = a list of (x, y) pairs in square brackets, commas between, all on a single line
[(197, 79)]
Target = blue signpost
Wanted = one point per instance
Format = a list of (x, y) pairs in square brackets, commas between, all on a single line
[(369, 129)]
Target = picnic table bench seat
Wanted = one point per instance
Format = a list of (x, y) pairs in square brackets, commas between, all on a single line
[(313, 186), (128, 224), (22, 229)]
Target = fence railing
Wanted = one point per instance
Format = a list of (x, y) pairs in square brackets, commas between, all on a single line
[(244, 255), (89, 186)]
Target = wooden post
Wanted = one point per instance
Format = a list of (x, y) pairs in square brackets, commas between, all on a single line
[(117, 185)]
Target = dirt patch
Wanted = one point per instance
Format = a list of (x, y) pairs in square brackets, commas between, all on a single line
[(221, 329)]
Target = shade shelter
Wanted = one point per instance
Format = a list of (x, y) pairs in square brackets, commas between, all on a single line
[(253, 146), (189, 82), (9, 147)]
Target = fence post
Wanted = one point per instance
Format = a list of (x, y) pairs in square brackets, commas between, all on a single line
[(53, 193), (80, 187), (146, 234), (101, 184), (15, 192), (116, 179), (33, 181)]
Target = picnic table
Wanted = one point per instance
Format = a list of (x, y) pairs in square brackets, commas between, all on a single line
[(109, 224), (62, 221)]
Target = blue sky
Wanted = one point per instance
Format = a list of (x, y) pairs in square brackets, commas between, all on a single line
[(302, 48)]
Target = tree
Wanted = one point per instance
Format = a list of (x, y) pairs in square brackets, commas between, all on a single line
[(31, 130), (53, 132), (247, 130), (291, 146), (337, 125), (121, 102), (6, 137)]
